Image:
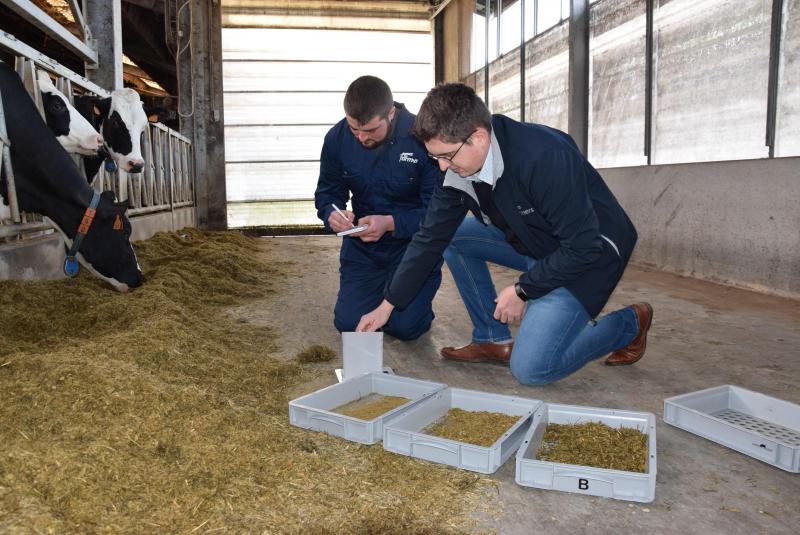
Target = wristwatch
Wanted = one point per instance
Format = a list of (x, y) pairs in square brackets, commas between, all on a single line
[(520, 292)]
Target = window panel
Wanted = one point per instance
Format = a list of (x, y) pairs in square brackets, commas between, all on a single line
[(788, 119), (504, 89), (616, 131), (510, 22), (548, 14), (711, 73), (547, 78), (478, 47)]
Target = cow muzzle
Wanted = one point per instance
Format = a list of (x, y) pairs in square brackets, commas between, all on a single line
[(134, 166)]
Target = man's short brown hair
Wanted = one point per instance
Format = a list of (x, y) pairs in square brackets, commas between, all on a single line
[(367, 97), (451, 112)]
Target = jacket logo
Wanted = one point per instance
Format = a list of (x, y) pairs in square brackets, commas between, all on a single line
[(527, 211), (408, 157)]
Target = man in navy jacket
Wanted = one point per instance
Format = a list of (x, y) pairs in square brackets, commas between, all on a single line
[(372, 154), (539, 208)]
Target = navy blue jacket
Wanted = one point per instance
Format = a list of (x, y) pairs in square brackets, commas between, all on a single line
[(553, 200), (394, 179)]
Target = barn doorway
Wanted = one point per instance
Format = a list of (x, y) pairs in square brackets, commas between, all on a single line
[(283, 90)]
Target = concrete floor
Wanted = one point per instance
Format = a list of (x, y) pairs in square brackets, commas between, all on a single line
[(703, 335)]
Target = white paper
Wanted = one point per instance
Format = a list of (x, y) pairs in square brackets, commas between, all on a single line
[(361, 353)]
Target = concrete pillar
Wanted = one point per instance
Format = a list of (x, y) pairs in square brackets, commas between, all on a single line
[(104, 19), (200, 107), (578, 104)]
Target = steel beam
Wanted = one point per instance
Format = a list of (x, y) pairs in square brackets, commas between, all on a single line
[(30, 12), (648, 81), (77, 13)]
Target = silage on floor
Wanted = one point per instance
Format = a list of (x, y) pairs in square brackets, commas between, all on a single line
[(153, 411)]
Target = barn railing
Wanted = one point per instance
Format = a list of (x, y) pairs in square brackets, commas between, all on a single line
[(167, 180)]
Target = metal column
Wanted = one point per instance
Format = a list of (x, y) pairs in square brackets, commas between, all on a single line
[(199, 47), (104, 18), (578, 103)]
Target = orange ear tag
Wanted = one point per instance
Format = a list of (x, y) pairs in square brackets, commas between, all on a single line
[(117, 223)]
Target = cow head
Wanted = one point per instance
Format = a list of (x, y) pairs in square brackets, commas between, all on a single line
[(123, 121), (71, 129), (106, 250)]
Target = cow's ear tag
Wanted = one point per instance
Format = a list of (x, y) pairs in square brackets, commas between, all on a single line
[(71, 266), (110, 165), (117, 223)]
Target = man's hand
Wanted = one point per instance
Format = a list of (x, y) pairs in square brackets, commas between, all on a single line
[(338, 223), (378, 226), (376, 319), (510, 308)]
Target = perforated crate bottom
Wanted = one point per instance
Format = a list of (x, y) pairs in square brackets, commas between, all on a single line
[(764, 427)]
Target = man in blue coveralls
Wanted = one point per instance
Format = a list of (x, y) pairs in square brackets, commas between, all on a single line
[(540, 208), (372, 155)]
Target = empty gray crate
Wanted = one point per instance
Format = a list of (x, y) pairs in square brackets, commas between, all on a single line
[(760, 426), (314, 411), (617, 484), (404, 434)]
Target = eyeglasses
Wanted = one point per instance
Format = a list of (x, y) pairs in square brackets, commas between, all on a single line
[(450, 158)]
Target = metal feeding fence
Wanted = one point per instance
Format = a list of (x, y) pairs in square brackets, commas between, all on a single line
[(165, 184)]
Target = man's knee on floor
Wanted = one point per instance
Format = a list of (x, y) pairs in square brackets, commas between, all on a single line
[(529, 372), (345, 323)]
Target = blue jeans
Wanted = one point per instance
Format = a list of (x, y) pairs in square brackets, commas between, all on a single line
[(556, 336)]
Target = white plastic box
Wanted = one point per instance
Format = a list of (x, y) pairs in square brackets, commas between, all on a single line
[(404, 434), (757, 425), (617, 484), (314, 411)]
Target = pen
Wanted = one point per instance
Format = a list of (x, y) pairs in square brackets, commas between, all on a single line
[(342, 214)]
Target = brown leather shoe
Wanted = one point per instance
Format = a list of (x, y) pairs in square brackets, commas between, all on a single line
[(474, 352), (635, 350)]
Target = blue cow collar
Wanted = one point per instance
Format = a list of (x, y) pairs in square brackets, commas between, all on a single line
[(71, 266)]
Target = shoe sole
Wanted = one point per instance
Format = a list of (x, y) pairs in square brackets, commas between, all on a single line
[(644, 348), (484, 360)]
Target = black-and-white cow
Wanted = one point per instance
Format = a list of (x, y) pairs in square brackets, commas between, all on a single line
[(120, 119), (48, 182), (71, 128)]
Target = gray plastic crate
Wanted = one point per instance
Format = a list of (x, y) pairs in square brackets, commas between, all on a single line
[(757, 425), (617, 484), (404, 434), (314, 411)]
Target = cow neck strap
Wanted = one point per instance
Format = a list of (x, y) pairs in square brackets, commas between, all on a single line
[(71, 266)]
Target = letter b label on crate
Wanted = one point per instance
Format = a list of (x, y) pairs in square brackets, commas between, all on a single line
[(583, 484)]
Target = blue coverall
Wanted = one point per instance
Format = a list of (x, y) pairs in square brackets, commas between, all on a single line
[(396, 179)]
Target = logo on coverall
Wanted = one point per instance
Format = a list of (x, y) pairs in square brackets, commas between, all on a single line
[(408, 157)]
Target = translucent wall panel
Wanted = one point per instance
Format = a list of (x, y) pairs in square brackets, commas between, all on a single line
[(314, 75), (510, 25), (788, 123), (617, 48), (271, 214), (504, 85), (277, 44), (546, 78), (711, 80), (286, 108), (274, 143), (270, 180)]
